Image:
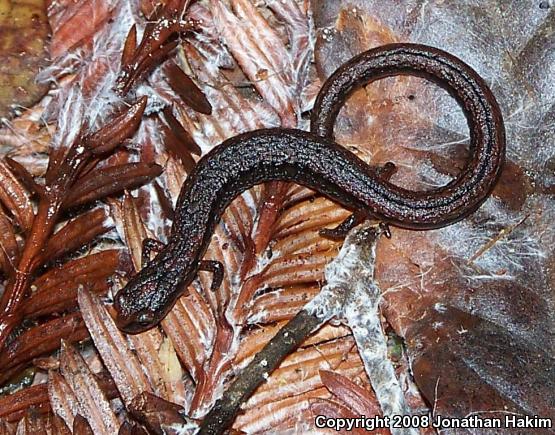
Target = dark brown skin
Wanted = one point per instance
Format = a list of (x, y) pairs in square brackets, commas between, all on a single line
[(316, 161)]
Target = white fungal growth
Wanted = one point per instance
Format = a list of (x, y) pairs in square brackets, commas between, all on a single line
[(440, 308), (352, 294)]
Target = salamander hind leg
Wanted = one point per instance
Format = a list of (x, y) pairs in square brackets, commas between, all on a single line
[(340, 232), (149, 246), (386, 171), (217, 270)]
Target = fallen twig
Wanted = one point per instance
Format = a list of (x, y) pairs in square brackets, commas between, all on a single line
[(350, 294)]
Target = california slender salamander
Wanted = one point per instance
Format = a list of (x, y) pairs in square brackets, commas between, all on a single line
[(316, 161)]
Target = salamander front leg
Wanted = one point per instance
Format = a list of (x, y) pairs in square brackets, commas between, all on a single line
[(217, 270), (149, 246)]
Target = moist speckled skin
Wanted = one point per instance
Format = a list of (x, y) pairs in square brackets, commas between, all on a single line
[(316, 161)]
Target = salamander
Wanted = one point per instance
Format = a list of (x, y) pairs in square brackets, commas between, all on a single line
[(313, 159)]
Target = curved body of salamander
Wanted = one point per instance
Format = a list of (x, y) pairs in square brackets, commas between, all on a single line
[(316, 161)]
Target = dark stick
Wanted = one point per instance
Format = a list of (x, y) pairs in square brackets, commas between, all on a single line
[(222, 415)]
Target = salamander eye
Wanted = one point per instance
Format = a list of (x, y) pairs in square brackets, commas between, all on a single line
[(146, 318)]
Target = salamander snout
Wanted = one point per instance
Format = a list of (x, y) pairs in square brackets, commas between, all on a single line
[(134, 310)]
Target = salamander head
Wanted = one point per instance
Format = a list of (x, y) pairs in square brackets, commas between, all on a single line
[(143, 302)]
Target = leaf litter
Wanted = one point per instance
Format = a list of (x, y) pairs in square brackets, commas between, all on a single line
[(471, 301)]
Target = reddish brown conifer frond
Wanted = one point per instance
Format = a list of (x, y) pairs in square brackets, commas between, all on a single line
[(42, 339), (113, 347), (165, 373), (76, 234), (81, 426), (24, 176), (134, 229), (13, 407), (62, 398), (132, 428), (180, 133), (176, 149), (66, 162), (130, 46), (187, 89), (470, 299), (121, 127), (358, 399), (8, 245), (111, 180), (191, 326), (155, 44), (92, 401), (14, 197), (74, 24), (56, 290), (331, 409), (165, 200), (59, 425)]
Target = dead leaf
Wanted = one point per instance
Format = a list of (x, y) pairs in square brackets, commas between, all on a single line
[(25, 30)]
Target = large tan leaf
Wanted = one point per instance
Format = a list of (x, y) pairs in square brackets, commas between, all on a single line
[(24, 34)]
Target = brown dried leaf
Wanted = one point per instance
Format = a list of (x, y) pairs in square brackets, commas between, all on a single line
[(24, 34), (175, 148), (180, 133), (186, 88), (121, 126), (14, 197), (62, 398), (81, 426), (24, 176), (8, 244), (134, 229), (358, 399), (164, 371), (56, 290), (109, 181), (76, 234), (155, 413), (42, 339), (191, 326), (77, 25), (14, 406), (93, 404), (445, 360), (113, 348)]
